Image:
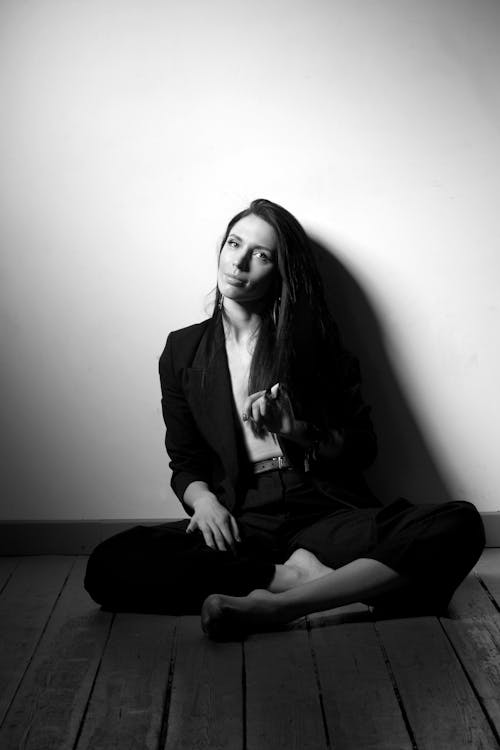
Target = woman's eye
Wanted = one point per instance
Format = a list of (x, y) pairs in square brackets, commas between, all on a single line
[(262, 256), (232, 243)]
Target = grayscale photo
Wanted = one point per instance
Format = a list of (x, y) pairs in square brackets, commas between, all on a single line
[(250, 313)]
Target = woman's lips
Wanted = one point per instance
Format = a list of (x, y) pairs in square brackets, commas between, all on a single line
[(233, 280)]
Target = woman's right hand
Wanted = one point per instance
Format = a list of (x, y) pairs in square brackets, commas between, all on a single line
[(218, 526)]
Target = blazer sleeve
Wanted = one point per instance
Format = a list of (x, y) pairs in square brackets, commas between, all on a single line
[(360, 442), (189, 453)]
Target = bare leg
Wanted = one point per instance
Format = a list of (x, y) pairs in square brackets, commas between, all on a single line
[(360, 580)]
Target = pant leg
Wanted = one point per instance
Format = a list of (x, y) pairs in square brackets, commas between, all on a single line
[(163, 569), (439, 546), (433, 546)]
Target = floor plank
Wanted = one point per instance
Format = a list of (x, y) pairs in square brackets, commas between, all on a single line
[(7, 568), (126, 707), (488, 570), (347, 613), (353, 678), (470, 601), (473, 628), (441, 707), (25, 606), (477, 644), (49, 706), (206, 704), (283, 705)]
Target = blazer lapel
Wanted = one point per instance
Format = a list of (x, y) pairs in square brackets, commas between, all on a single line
[(212, 397)]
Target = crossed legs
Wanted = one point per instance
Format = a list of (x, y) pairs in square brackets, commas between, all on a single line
[(439, 544), (301, 586), (427, 551)]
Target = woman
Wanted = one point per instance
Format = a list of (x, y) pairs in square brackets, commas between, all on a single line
[(268, 437)]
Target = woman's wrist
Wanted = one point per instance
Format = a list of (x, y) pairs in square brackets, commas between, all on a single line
[(329, 446), (317, 442), (304, 433), (197, 492)]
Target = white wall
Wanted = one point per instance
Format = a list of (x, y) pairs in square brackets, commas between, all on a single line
[(132, 130)]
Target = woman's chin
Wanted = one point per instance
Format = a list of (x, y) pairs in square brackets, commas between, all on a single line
[(236, 294)]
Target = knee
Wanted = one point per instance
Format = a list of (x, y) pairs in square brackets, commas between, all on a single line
[(107, 568), (113, 563), (467, 527), (96, 574)]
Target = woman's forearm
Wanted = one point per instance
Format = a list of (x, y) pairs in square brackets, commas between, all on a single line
[(195, 491)]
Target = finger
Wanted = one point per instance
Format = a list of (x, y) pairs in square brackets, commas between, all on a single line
[(272, 393), (235, 529), (208, 537), (257, 410), (282, 398), (220, 542), (264, 407), (227, 532), (272, 413), (192, 525), (256, 421), (248, 404), (232, 529)]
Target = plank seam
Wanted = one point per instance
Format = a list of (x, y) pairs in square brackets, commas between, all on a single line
[(91, 691), (491, 597), (162, 738), (395, 687), (39, 639), (471, 683), (318, 685), (10, 576), (244, 695)]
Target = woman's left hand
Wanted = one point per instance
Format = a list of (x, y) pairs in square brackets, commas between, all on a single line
[(271, 410)]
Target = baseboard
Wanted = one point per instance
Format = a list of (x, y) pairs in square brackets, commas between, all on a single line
[(80, 537), (62, 537), (491, 522)]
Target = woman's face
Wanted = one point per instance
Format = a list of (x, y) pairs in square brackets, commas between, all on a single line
[(247, 261)]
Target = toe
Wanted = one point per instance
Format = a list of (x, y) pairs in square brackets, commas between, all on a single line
[(219, 622)]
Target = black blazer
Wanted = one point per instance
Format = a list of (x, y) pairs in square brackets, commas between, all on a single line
[(203, 436)]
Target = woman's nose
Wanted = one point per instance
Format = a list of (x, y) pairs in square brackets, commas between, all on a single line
[(240, 260)]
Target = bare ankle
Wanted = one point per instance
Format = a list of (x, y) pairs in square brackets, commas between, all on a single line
[(307, 565), (285, 577)]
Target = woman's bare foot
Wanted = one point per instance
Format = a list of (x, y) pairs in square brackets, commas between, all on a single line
[(232, 617), (301, 567)]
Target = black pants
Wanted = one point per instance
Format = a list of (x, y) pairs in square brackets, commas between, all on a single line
[(163, 569)]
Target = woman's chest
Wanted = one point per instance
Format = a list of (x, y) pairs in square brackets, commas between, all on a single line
[(239, 360)]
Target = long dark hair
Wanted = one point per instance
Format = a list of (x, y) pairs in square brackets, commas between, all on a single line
[(297, 342)]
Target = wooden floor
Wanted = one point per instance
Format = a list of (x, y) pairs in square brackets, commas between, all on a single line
[(72, 676)]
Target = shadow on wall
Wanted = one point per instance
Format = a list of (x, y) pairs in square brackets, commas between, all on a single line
[(404, 466)]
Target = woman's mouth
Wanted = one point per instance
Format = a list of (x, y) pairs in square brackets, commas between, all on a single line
[(234, 280)]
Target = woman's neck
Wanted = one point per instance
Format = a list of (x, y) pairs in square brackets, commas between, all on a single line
[(240, 321)]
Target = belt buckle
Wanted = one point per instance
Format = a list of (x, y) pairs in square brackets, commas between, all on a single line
[(279, 460)]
